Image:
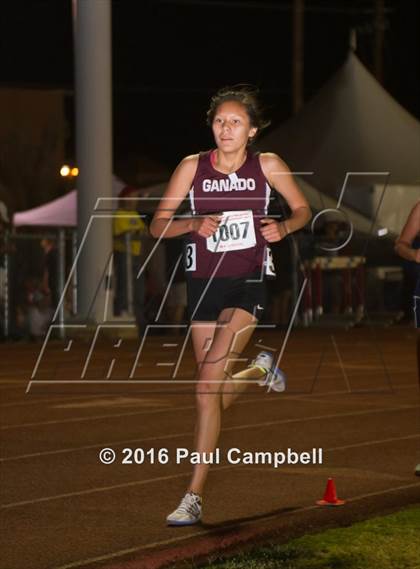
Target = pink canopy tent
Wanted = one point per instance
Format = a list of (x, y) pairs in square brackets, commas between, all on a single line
[(61, 212)]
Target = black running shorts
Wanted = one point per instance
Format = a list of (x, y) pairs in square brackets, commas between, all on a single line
[(207, 298)]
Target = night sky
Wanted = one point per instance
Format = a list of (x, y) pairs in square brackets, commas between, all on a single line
[(160, 98)]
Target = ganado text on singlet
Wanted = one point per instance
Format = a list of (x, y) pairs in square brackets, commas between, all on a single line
[(228, 185)]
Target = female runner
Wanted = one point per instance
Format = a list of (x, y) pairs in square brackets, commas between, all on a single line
[(225, 259)]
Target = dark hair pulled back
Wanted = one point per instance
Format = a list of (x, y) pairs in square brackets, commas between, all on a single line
[(246, 95)]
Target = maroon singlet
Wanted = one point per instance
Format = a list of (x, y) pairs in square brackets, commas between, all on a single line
[(215, 192)]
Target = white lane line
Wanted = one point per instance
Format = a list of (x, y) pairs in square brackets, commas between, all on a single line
[(325, 375), (135, 549), (297, 396), (105, 488), (172, 476), (97, 417), (13, 385), (88, 447), (175, 436), (136, 381), (132, 413), (375, 442), (135, 413), (53, 399), (305, 398)]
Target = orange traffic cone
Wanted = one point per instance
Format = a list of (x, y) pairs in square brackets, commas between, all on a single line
[(330, 496)]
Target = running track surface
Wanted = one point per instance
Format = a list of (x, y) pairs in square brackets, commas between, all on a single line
[(353, 393)]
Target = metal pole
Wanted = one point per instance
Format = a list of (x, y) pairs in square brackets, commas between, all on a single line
[(92, 37)]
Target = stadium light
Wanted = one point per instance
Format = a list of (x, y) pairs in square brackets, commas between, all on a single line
[(65, 171)]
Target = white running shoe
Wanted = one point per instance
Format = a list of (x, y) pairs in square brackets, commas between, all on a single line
[(275, 378), (188, 512), (264, 361)]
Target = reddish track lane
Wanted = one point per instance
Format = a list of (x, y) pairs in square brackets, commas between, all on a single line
[(351, 393)]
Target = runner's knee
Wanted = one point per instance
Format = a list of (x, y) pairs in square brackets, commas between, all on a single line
[(208, 395)]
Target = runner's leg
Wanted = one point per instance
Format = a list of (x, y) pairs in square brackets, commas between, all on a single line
[(237, 327), (202, 334), (243, 324)]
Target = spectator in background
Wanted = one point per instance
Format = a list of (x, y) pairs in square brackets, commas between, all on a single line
[(50, 274), (34, 312), (127, 220)]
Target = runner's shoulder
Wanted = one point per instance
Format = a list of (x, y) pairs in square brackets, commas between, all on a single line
[(189, 163), (416, 209), (185, 171), (271, 162), (270, 159)]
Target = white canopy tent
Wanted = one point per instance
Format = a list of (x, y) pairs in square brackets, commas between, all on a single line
[(319, 201), (353, 125)]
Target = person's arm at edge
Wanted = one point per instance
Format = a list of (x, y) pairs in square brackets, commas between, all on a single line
[(403, 243), (280, 178), (162, 224)]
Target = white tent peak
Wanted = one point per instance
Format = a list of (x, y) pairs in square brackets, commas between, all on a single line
[(351, 125)]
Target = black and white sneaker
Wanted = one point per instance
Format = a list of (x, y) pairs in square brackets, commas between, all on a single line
[(188, 512)]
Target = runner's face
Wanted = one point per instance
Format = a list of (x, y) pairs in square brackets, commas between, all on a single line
[(231, 126)]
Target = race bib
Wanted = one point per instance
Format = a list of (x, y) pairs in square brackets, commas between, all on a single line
[(236, 231)]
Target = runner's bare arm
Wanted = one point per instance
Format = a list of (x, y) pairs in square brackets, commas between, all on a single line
[(179, 185), (280, 178), (411, 229), (176, 191)]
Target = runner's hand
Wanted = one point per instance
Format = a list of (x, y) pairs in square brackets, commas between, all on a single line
[(206, 226), (272, 230)]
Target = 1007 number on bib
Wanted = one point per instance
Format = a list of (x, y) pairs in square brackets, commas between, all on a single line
[(236, 231)]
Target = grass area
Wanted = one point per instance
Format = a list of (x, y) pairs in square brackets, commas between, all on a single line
[(388, 542)]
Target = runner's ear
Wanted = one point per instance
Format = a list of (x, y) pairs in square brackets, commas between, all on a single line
[(252, 133)]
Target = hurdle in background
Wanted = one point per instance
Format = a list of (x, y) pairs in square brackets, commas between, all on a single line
[(349, 266)]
